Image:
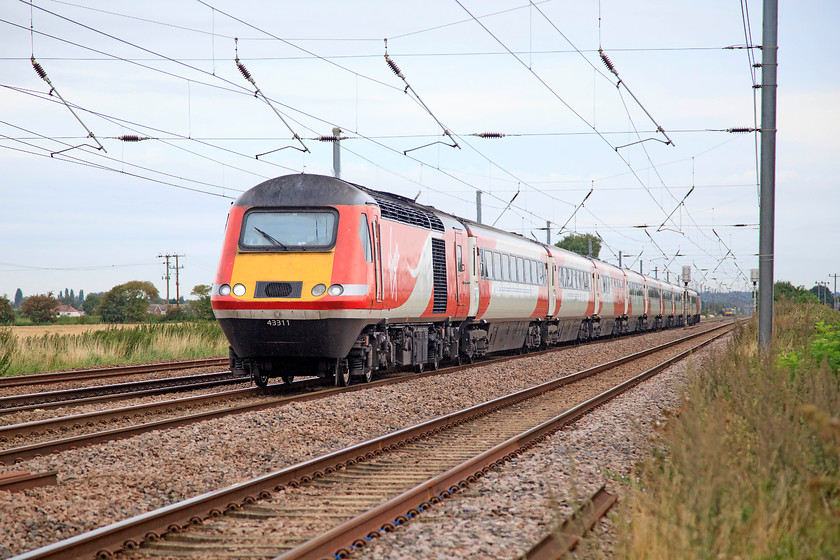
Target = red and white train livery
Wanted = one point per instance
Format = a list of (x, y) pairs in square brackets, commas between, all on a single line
[(321, 276)]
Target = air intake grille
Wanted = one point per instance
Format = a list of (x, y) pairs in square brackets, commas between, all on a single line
[(393, 210), (278, 289), (439, 268)]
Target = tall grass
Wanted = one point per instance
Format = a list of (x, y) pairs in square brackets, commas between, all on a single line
[(109, 347), (751, 467)]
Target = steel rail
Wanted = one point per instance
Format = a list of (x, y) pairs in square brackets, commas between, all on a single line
[(19, 481), (340, 541), (115, 371), (24, 452), (129, 532), (165, 385)]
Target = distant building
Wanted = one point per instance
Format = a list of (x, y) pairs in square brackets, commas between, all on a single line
[(158, 308), (68, 311)]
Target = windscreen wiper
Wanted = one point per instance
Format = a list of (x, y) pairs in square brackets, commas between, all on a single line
[(269, 237)]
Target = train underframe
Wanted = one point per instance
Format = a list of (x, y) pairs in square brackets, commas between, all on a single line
[(425, 346)]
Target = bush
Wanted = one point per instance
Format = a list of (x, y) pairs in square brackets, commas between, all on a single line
[(40, 308), (7, 311)]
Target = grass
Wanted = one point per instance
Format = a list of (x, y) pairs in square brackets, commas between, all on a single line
[(110, 346), (751, 467)]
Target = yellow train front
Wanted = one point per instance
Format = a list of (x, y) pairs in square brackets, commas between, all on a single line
[(286, 303)]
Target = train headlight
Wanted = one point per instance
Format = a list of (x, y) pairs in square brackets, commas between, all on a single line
[(239, 290), (224, 290), (336, 290), (319, 290)]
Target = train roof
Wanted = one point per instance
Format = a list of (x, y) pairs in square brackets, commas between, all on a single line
[(303, 190)]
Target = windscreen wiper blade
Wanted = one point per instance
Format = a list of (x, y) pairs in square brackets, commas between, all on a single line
[(269, 237)]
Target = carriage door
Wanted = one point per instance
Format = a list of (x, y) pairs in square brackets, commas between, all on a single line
[(462, 277), (474, 273), (377, 259)]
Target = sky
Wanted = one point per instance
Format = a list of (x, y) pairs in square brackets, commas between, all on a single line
[(667, 186)]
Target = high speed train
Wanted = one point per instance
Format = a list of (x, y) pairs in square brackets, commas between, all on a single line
[(319, 276)]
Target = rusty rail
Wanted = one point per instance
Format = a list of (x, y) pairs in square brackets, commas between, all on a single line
[(24, 480)]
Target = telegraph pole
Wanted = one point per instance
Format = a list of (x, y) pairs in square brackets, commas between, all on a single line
[(834, 293), (769, 48), (177, 292), (166, 276), (478, 206)]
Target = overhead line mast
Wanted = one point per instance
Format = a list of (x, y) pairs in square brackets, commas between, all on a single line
[(769, 50)]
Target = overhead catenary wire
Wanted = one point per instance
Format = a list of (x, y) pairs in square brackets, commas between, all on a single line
[(433, 166), (247, 75), (43, 75), (393, 66)]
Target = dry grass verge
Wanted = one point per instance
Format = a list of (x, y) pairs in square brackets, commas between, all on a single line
[(90, 347), (751, 467)]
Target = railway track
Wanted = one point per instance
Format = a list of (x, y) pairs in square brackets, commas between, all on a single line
[(369, 488), (99, 373), (64, 397), (93, 428)]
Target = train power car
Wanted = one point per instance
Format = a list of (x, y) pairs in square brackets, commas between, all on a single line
[(319, 276)]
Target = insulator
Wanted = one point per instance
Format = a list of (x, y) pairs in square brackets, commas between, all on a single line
[(607, 62), (393, 65), (131, 138), (244, 71), (489, 135), (328, 138), (740, 130), (41, 72)]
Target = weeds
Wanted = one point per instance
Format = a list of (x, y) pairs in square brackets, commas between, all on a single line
[(752, 468), (111, 346)]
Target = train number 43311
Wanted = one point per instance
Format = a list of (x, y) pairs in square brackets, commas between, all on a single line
[(278, 323)]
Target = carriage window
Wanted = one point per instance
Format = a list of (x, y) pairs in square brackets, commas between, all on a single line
[(520, 269), (505, 267), (299, 230), (364, 237), (497, 266), (528, 268)]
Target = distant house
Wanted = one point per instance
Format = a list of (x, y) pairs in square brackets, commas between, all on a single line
[(157, 309), (68, 311)]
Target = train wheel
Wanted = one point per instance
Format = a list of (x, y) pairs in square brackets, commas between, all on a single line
[(367, 376), (434, 364), (342, 373), (419, 368), (288, 379), (259, 376)]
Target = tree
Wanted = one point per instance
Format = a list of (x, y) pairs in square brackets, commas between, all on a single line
[(579, 243), (786, 290), (91, 302), (81, 297), (202, 307), (41, 308), (823, 295), (127, 302), (7, 312), (18, 298)]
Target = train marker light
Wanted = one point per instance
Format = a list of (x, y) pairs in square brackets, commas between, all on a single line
[(336, 290), (224, 290), (319, 290), (239, 290)]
